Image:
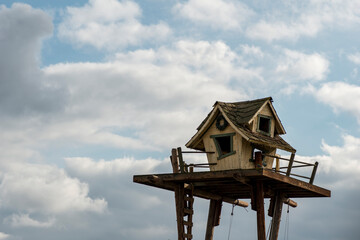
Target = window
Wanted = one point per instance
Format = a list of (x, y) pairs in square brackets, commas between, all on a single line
[(264, 124), (224, 144)]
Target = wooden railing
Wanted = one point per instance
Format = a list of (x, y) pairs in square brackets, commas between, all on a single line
[(180, 166), (291, 166), (178, 161)]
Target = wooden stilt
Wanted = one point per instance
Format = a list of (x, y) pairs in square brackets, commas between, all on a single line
[(213, 218), (179, 202), (277, 210), (259, 191)]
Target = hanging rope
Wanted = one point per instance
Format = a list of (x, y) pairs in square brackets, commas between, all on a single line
[(231, 219), (287, 225), (267, 234)]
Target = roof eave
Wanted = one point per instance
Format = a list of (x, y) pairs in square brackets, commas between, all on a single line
[(194, 140)]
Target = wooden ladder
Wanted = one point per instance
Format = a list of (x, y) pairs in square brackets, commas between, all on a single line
[(188, 213), (184, 199), (184, 212)]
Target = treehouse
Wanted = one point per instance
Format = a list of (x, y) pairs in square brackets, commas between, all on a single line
[(240, 140), (232, 132)]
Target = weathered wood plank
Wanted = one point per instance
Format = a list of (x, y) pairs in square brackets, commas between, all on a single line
[(275, 226), (210, 222), (179, 203), (237, 179), (290, 164), (260, 215)]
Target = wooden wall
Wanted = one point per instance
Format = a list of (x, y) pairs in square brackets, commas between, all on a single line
[(243, 149), (266, 111)]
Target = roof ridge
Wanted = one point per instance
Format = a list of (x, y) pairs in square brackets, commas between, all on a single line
[(248, 101)]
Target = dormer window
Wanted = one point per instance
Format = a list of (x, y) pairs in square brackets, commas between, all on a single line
[(224, 144), (264, 124)]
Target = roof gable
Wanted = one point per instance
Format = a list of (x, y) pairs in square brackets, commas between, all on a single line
[(239, 115)]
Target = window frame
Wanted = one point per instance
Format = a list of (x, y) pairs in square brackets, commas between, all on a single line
[(217, 144), (258, 124)]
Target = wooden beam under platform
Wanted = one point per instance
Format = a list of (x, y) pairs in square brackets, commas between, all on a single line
[(230, 186), (233, 184)]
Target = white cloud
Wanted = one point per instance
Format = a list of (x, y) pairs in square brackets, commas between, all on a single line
[(4, 236), (297, 66), (271, 31), (252, 51), (89, 167), (219, 14), (340, 165), (341, 97), (109, 24), (22, 30), (303, 19), (24, 220), (174, 83), (355, 58), (39, 188)]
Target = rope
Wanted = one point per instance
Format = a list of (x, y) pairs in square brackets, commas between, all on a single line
[(287, 225), (231, 219), (267, 234)]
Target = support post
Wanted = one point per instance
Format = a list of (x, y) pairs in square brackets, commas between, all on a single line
[(276, 216), (213, 218), (260, 210), (179, 202), (290, 164)]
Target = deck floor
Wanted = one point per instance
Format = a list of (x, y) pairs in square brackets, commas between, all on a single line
[(235, 184)]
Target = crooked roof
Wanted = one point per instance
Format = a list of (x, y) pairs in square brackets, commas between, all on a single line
[(240, 115)]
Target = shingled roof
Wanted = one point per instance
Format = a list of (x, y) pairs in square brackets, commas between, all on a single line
[(239, 115)]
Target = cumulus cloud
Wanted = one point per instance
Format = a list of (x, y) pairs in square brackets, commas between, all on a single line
[(271, 31), (89, 167), (355, 58), (173, 84), (219, 14), (109, 24), (4, 236), (252, 51), (23, 89), (39, 188), (298, 66), (303, 19), (340, 96), (340, 165), (24, 220)]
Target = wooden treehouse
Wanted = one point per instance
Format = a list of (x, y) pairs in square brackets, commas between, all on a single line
[(240, 140)]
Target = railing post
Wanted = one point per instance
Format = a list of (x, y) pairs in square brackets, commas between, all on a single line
[(258, 159), (290, 164), (181, 161), (277, 166), (313, 173), (174, 161)]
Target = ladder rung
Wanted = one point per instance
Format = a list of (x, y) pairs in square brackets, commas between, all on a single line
[(187, 223), (188, 191), (189, 199), (188, 211), (188, 236)]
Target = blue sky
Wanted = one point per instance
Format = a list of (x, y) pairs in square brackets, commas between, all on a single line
[(93, 92)]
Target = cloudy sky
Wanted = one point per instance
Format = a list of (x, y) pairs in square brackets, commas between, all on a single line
[(95, 91)]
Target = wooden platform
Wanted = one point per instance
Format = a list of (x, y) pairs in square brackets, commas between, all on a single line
[(234, 184)]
